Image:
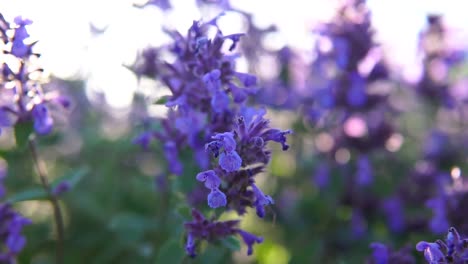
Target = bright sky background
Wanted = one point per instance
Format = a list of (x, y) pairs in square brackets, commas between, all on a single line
[(69, 49)]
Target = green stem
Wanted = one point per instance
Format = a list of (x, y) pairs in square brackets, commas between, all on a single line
[(41, 170)]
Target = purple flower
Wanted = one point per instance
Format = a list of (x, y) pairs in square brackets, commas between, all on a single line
[(394, 213), (28, 100), (261, 200), (43, 122), (171, 153), (455, 250), (230, 161), (364, 174), (249, 240), (380, 253), (216, 198), (432, 252), (210, 178), (201, 228)]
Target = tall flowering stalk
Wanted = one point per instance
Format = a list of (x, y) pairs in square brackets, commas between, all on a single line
[(25, 103), (208, 113)]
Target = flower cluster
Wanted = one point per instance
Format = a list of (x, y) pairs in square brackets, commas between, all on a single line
[(453, 250), (201, 228), (208, 113), (382, 254), (436, 85), (11, 239), (23, 98)]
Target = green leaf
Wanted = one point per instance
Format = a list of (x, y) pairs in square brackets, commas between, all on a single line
[(73, 177), (162, 100), (130, 227), (28, 195), (22, 132), (231, 243), (171, 252)]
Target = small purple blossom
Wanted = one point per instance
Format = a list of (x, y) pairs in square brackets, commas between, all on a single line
[(230, 161), (216, 198), (210, 178), (249, 240), (61, 188)]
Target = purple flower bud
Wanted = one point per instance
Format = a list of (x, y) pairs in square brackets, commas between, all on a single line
[(249, 240), (61, 188), (216, 198), (230, 161), (261, 200), (190, 246), (43, 122), (15, 242), (380, 253)]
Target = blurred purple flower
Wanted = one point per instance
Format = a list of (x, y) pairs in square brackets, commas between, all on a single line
[(201, 228), (11, 239)]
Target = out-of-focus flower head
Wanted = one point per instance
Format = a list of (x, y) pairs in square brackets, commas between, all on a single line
[(23, 97), (11, 239), (206, 90), (439, 84), (382, 254), (453, 250)]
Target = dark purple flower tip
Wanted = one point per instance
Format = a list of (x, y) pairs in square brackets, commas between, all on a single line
[(249, 240), (64, 101), (210, 178), (43, 122), (246, 79), (277, 136), (261, 200), (235, 38), (380, 253), (230, 161), (216, 198), (453, 238), (197, 216), (190, 246), (61, 188)]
